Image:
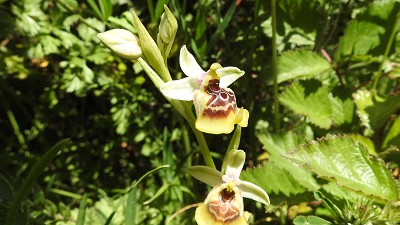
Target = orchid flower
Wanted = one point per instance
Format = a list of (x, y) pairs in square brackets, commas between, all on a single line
[(224, 203), (214, 102)]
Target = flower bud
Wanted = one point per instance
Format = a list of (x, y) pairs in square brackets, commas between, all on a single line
[(168, 26), (122, 42)]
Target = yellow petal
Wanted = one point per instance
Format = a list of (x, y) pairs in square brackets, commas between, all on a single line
[(242, 117)]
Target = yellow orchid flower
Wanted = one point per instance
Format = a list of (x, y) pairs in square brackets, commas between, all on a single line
[(224, 203), (214, 102)]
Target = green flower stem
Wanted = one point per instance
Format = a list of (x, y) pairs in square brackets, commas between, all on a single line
[(17, 132), (378, 74), (274, 67), (34, 173), (203, 146), (205, 151)]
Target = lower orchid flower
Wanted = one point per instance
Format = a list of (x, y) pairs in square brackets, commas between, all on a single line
[(224, 203), (214, 102)]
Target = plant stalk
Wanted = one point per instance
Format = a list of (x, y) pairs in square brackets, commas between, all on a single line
[(274, 67), (378, 74)]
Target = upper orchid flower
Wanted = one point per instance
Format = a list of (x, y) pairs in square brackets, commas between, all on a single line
[(215, 104), (224, 203)]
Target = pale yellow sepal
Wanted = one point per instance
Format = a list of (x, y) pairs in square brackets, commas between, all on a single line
[(242, 117), (203, 217)]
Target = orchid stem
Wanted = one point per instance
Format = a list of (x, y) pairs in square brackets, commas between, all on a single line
[(274, 67), (205, 151), (378, 74), (203, 147)]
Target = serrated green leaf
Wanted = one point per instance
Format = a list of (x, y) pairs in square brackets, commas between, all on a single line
[(341, 159), (310, 220), (366, 142), (311, 99), (370, 31), (342, 111), (359, 38), (301, 64), (277, 145), (271, 178)]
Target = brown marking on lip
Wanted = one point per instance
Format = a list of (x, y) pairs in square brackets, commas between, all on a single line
[(213, 113)]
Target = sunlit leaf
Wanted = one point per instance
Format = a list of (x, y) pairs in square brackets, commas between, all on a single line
[(310, 220), (370, 31), (393, 135), (311, 99), (301, 64), (273, 179), (277, 145), (381, 110), (348, 163)]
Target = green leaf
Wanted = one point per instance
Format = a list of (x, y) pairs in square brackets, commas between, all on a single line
[(372, 112), (82, 211), (363, 99), (342, 110), (271, 178), (301, 64), (370, 31), (311, 99), (95, 8), (380, 111), (393, 135), (359, 38), (310, 220), (277, 145), (348, 163), (130, 209)]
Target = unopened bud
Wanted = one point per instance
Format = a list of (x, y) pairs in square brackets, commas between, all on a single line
[(168, 26), (122, 42)]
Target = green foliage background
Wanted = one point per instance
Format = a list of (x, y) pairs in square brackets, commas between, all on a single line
[(338, 72)]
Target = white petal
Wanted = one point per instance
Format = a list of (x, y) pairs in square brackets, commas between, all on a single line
[(252, 191), (189, 64), (228, 75), (179, 89), (206, 175), (234, 163)]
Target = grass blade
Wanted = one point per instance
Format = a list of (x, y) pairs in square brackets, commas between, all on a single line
[(82, 211), (130, 210), (36, 170)]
